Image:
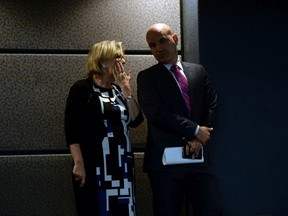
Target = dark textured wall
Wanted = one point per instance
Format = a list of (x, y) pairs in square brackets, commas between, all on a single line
[(41, 24), (243, 44), (43, 48)]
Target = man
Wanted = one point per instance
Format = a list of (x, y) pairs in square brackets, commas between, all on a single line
[(174, 115)]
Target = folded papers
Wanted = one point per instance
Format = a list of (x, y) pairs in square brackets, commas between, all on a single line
[(174, 155)]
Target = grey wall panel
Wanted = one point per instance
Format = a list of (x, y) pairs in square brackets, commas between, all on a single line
[(36, 185), (41, 24), (33, 92)]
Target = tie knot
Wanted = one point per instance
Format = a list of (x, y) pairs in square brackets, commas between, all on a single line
[(175, 69)]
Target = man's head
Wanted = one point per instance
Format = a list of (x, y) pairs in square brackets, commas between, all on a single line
[(163, 43)]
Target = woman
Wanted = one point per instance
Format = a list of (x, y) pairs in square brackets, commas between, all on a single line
[(99, 110)]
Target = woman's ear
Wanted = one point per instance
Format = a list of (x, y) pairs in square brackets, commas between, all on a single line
[(103, 65)]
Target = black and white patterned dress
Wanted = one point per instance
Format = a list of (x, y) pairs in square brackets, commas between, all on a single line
[(98, 119), (115, 173)]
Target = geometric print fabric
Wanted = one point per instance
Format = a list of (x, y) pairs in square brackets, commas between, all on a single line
[(115, 175)]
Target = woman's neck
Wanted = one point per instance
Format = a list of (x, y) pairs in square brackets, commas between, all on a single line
[(102, 82)]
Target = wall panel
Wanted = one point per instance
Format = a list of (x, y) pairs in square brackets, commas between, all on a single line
[(36, 185), (41, 24), (33, 92)]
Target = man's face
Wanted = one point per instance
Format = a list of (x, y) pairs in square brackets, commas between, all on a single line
[(163, 46)]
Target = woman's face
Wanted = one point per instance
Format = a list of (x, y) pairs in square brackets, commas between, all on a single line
[(115, 64)]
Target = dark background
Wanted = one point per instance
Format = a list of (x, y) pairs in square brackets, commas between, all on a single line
[(243, 45)]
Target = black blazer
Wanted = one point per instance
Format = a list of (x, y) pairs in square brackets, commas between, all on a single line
[(163, 105)]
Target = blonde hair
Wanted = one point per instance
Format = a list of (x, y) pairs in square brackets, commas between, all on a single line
[(100, 53)]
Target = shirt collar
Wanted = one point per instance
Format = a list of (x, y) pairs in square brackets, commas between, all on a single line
[(178, 63)]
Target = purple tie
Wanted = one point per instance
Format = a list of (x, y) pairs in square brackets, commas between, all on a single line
[(183, 85)]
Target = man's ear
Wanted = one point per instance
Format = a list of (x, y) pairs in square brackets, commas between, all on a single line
[(175, 38)]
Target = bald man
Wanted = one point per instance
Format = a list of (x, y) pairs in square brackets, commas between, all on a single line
[(179, 102)]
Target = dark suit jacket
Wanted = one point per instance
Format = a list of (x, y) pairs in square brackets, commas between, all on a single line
[(163, 105)]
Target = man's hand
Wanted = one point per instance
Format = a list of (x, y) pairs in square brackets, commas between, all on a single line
[(204, 134), (193, 147)]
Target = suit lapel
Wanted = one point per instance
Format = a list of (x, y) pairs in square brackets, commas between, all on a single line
[(166, 80), (189, 74)]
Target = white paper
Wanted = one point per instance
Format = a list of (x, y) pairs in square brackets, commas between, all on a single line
[(173, 155)]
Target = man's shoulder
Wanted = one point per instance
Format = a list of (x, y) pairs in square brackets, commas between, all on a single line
[(152, 68), (192, 65), (151, 71)]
